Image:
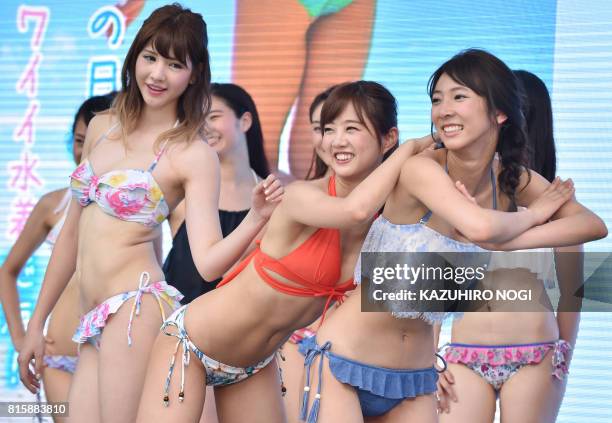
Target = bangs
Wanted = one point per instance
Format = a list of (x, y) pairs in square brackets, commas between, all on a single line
[(338, 100), (171, 42)]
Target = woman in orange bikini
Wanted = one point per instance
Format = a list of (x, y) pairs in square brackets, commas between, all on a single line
[(321, 223)]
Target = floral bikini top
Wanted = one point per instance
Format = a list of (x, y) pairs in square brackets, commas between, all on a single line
[(132, 195)]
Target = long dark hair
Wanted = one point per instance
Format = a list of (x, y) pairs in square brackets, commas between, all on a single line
[(241, 102), (318, 168), (491, 79), (369, 99), (175, 29), (91, 106), (537, 109)]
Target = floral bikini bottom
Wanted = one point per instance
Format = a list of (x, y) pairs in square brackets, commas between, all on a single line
[(496, 363)]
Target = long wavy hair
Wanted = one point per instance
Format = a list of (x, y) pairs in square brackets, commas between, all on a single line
[(493, 80), (240, 101), (175, 33)]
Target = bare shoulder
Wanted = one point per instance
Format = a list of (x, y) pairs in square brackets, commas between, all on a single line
[(531, 185), (193, 157), (300, 188), (98, 126), (425, 161)]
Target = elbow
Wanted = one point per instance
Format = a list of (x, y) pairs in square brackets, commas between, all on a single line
[(602, 230), (480, 231), (207, 270), (359, 215)]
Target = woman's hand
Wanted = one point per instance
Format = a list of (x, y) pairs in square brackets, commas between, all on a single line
[(446, 391), (266, 196), (33, 348), (557, 194)]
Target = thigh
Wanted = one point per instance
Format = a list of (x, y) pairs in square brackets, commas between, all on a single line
[(421, 409), (339, 401), (292, 368), (475, 398), (537, 391), (151, 407), (83, 394), (209, 414), (256, 399), (56, 384), (123, 367)]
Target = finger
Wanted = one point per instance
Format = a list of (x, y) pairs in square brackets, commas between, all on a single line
[(273, 186), (269, 180), (38, 364), (275, 196), (259, 188), (49, 340), (448, 375)]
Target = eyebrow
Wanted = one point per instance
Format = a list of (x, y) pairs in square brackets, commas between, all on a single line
[(460, 87)]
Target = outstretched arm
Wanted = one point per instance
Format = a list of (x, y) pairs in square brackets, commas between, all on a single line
[(212, 254), (310, 206)]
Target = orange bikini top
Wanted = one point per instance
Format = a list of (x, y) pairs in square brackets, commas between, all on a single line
[(314, 266)]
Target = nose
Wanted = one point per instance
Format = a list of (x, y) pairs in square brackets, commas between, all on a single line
[(338, 139), (445, 108), (158, 71)]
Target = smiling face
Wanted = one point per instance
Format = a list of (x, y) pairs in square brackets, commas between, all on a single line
[(224, 130), (161, 80), (461, 116), (320, 147), (355, 151)]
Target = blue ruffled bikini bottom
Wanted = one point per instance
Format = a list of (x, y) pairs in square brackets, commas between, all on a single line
[(379, 389)]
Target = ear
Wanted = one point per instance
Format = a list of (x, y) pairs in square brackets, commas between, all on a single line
[(500, 117), (246, 120), (390, 140)]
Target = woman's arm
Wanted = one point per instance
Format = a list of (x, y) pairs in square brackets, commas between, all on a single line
[(569, 263), (212, 254), (572, 224), (425, 180), (310, 206), (59, 271), (33, 234)]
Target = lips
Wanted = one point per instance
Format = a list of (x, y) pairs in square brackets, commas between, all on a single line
[(155, 89), (343, 157), (452, 129)]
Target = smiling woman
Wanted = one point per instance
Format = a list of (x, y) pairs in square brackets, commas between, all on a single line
[(148, 155)]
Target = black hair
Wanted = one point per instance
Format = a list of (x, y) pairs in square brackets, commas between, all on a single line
[(493, 80), (537, 109), (241, 102), (91, 107)]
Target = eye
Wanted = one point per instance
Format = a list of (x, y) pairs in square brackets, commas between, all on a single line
[(79, 140), (316, 129), (176, 65), (435, 100), (148, 57), (328, 130), (352, 129), (460, 96)]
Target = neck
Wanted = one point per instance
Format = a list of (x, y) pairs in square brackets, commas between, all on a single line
[(158, 118), (472, 166), (344, 186), (235, 168)]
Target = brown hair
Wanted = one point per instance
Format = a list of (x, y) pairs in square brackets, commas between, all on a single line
[(175, 29), (369, 99)]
